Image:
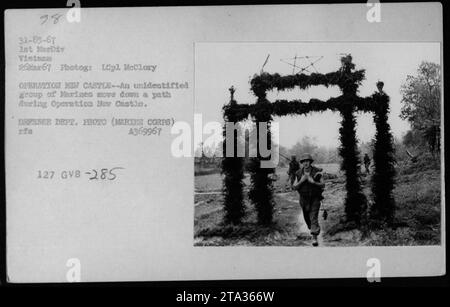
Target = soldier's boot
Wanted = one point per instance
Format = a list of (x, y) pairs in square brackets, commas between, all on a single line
[(314, 240)]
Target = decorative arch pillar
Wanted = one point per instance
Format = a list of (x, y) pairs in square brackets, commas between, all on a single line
[(232, 168), (261, 188), (383, 206)]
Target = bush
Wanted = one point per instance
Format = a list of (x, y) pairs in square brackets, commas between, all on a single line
[(424, 161)]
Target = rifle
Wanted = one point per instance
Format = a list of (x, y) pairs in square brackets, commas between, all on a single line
[(285, 157)]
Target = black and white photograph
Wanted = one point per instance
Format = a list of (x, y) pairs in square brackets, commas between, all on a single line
[(358, 152)]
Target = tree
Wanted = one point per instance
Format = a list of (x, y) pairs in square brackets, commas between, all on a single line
[(306, 145), (421, 103), (321, 154), (413, 139)]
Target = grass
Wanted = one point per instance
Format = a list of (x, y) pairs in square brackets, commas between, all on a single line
[(418, 210), (210, 230), (417, 219)]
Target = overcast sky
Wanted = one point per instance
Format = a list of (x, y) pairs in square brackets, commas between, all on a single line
[(220, 65)]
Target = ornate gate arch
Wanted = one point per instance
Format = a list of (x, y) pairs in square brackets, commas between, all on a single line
[(348, 80)]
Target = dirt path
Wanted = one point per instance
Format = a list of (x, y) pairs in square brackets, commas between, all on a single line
[(333, 203), (418, 206), (289, 225), (300, 226)]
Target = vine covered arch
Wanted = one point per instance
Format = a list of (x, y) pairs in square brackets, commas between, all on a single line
[(261, 190)]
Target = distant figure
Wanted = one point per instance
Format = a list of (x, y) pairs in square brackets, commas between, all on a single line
[(367, 163), (310, 185), (294, 166)]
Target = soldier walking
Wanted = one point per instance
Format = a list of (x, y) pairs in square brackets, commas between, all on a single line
[(309, 184), (294, 166)]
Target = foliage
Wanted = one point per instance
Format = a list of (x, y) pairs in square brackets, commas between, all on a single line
[(400, 151), (417, 216), (356, 202), (297, 107), (261, 191), (321, 154), (261, 188), (424, 162), (306, 144), (232, 168), (345, 78), (422, 103), (348, 81), (384, 159), (414, 139)]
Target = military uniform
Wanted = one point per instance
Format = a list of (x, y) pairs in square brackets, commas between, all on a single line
[(310, 198)]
